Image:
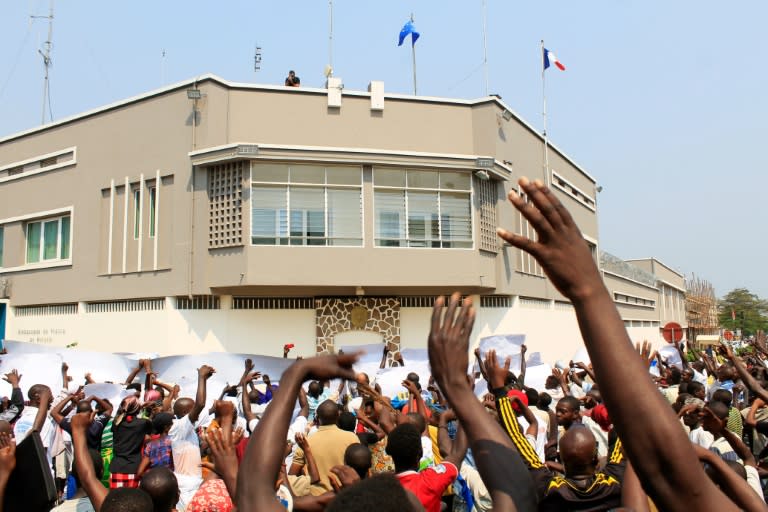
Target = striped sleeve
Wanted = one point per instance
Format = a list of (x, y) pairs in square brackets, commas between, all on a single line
[(617, 455), (509, 422)]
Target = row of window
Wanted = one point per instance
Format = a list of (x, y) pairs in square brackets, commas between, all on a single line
[(633, 300), (316, 205)]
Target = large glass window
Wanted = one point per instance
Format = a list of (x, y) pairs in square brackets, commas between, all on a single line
[(418, 208), (48, 240), (306, 205)]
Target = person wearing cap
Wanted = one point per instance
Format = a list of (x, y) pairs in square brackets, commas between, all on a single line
[(158, 452)]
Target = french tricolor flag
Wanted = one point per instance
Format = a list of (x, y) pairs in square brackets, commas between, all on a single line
[(549, 59)]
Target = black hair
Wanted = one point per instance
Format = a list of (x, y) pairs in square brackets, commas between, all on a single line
[(533, 396), (125, 499), (724, 396), (327, 413), (675, 375), (404, 446), (719, 409), (134, 386), (161, 421), (545, 399), (84, 406), (694, 387), (570, 401), (419, 421), (382, 493), (358, 457), (162, 487), (347, 421)]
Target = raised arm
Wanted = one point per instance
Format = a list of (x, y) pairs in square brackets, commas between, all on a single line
[(245, 398), (149, 377), (263, 458), (659, 449), (134, 372), (56, 412), (314, 474), (502, 471), (87, 475), (42, 412), (203, 374), (17, 397), (748, 379), (521, 377), (105, 406), (7, 463), (733, 485)]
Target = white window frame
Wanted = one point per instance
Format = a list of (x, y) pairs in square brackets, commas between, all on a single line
[(573, 191), (285, 241), (43, 216), (470, 195)]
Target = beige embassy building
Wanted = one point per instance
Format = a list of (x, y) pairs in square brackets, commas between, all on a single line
[(219, 216)]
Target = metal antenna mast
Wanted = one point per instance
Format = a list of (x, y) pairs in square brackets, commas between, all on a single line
[(45, 53)]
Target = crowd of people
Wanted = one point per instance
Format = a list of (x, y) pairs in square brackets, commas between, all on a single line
[(628, 431)]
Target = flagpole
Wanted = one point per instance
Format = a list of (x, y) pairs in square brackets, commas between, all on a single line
[(330, 34), (544, 115), (413, 55)]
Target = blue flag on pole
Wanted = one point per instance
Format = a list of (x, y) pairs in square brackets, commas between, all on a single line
[(408, 28)]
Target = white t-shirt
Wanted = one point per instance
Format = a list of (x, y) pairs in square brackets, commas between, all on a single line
[(186, 458), (24, 426)]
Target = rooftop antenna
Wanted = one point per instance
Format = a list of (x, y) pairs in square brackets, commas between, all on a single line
[(162, 68), (257, 59), (329, 68), (45, 53)]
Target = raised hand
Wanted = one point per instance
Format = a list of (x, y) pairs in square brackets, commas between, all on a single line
[(645, 352), (248, 365), (560, 247), (205, 371), (448, 342), (7, 454), (328, 367), (496, 374), (301, 440), (411, 387), (12, 378)]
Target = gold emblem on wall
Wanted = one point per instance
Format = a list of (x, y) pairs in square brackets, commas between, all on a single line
[(358, 317)]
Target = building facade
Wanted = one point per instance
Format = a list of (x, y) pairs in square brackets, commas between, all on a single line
[(216, 216)]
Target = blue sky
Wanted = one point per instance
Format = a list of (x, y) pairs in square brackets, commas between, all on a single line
[(663, 102)]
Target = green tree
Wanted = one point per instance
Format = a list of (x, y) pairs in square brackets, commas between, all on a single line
[(751, 311)]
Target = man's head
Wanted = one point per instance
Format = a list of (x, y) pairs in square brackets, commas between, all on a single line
[(327, 413), (382, 493), (404, 446), (674, 376), (578, 451), (552, 382), (314, 389), (710, 420), (687, 375), (568, 411), (84, 406), (545, 399), (414, 377), (723, 395), (417, 420), (291, 74), (35, 392), (696, 389), (593, 398), (161, 485), (347, 421), (725, 372), (183, 406), (127, 500), (162, 422), (533, 396), (358, 457)]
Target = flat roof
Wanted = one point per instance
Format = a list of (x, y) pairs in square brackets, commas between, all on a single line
[(300, 90), (660, 263)]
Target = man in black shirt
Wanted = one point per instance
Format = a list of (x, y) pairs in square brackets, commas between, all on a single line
[(292, 80)]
